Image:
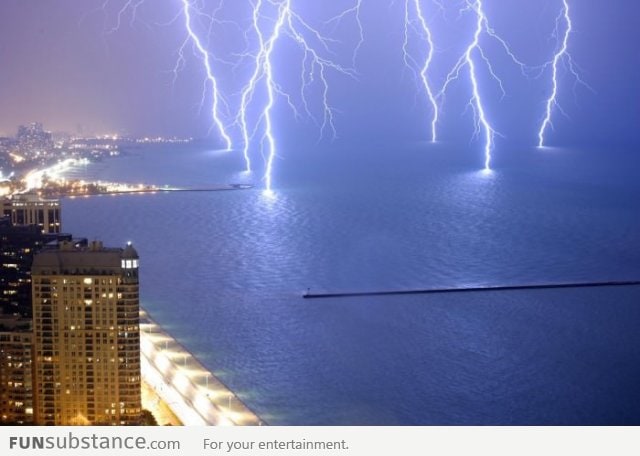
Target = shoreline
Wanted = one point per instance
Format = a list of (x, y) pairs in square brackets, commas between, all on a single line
[(176, 387), (192, 393), (152, 402), (142, 191)]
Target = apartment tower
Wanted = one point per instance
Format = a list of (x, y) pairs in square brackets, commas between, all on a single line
[(16, 374), (86, 335)]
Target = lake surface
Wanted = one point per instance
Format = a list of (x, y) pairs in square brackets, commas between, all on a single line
[(224, 272)]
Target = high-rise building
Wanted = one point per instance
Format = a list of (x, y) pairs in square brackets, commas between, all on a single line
[(18, 244), (29, 209), (16, 375), (86, 335), (33, 140)]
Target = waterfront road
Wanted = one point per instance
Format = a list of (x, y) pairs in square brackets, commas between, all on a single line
[(192, 392)]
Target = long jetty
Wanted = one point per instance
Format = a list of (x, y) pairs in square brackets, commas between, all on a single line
[(542, 286)]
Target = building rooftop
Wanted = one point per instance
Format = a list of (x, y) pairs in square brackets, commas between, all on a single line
[(129, 251), (92, 258)]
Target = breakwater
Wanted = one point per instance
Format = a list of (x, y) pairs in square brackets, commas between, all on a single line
[(347, 294)]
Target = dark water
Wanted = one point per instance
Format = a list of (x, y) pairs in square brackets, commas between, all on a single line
[(224, 272)]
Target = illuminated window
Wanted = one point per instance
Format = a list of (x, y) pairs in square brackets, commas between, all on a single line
[(87, 281)]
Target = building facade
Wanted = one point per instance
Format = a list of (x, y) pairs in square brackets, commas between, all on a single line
[(86, 335), (29, 209), (18, 244), (16, 374)]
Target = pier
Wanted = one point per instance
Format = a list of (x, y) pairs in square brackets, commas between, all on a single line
[(192, 392), (550, 286)]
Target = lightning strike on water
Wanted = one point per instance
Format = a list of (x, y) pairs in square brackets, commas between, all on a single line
[(467, 60), (561, 55), (263, 71), (410, 61), (273, 21), (314, 70)]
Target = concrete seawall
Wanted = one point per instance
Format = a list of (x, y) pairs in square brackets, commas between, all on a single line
[(193, 393), (346, 294)]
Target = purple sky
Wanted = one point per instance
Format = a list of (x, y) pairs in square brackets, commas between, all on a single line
[(58, 66)]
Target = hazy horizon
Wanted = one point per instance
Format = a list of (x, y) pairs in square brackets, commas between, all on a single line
[(65, 65)]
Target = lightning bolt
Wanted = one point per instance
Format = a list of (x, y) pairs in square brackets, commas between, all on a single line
[(561, 55), (263, 71), (411, 62), (210, 77), (354, 11), (188, 10), (467, 60), (315, 66), (273, 21), (129, 5)]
